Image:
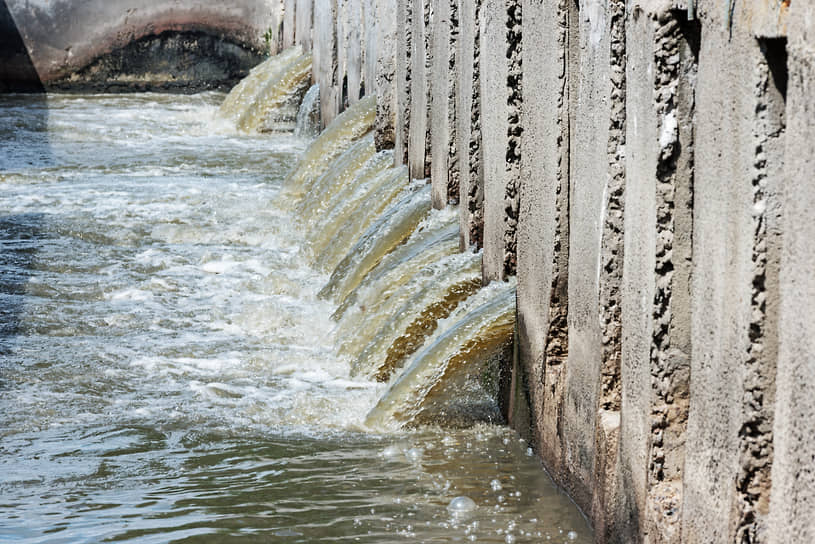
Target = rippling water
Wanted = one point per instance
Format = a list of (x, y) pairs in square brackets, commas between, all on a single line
[(167, 372)]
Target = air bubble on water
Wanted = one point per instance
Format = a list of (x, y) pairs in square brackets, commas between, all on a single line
[(509, 539), (496, 485), (391, 452), (501, 498), (414, 454), (461, 505), (572, 535)]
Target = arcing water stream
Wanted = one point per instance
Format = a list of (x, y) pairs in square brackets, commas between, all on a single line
[(197, 323)]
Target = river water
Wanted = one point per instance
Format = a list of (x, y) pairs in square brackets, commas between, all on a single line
[(168, 372)]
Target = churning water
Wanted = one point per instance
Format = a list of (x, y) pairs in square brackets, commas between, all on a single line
[(169, 372)]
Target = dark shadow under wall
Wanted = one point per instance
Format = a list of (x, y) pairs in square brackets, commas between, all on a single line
[(17, 72)]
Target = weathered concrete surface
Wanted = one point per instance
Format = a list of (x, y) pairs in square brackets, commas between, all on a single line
[(325, 60), (304, 23), (64, 37), (500, 88), (352, 31), (420, 92), (403, 84), (468, 125), (384, 71), (289, 22), (543, 235), (444, 171), (793, 474)]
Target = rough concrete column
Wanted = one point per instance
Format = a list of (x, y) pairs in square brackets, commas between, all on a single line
[(289, 22), (353, 26), (793, 473), (638, 285), (500, 34), (404, 49), (370, 44), (468, 125), (304, 21), (325, 59), (385, 72), (444, 169), (420, 83), (589, 114), (543, 222), (730, 327)]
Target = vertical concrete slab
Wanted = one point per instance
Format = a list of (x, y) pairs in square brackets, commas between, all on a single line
[(793, 474), (468, 125), (403, 77), (639, 282), (385, 72), (500, 28), (370, 43), (325, 59), (723, 242), (289, 23), (420, 83), (543, 221), (588, 172), (304, 21), (444, 169), (354, 30)]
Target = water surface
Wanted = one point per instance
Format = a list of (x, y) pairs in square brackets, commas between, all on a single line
[(167, 371)]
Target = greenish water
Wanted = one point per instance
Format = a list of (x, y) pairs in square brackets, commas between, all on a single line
[(167, 371)]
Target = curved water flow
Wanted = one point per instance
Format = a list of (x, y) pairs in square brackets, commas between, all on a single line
[(168, 372), (268, 100)]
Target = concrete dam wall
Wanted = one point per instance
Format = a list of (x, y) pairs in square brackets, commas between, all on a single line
[(643, 167), (127, 45)]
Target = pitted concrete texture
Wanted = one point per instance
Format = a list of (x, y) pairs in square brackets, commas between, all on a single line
[(420, 89), (543, 235), (385, 72), (64, 37), (500, 88), (444, 172), (468, 126), (403, 84)]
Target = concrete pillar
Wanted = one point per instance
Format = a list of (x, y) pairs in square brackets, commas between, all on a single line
[(793, 473), (468, 125), (543, 226), (325, 59), (418, 141), (353, 27), (304, 22), (385, 72), (444, 170), (656, 285), (289, 23), (500, 88), (404, 48)]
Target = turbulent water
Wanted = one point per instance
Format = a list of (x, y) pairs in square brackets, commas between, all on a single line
[(169, 372)]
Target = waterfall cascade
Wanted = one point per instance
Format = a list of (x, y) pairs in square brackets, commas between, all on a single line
[(410, 309), (268, 99)]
